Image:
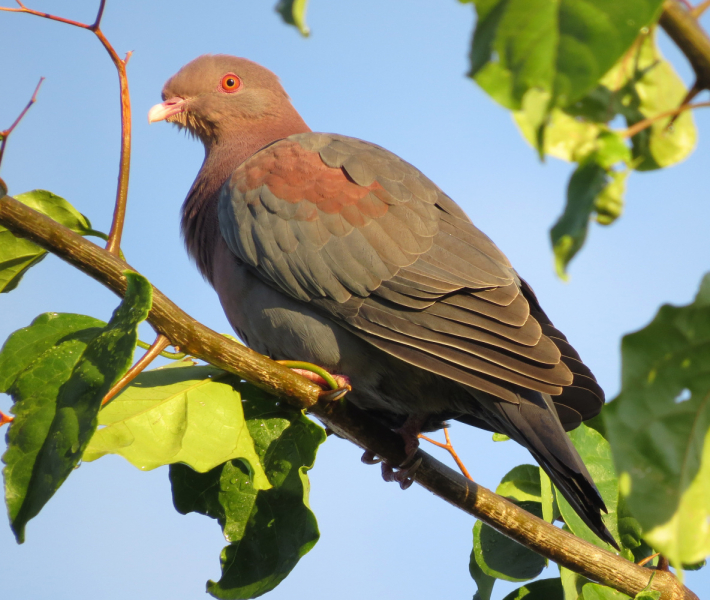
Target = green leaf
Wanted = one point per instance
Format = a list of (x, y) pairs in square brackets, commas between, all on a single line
[(484, 583), (46, 331), (658, 428), (550, 510), (503, 558), (562, 48), (191, 415), (647, 85), (543, 589), (596, 454), (648, 595), (595, 591), (500, 437), (569, 233), (57, 400), (565, 137), (268, 530), (293, 12), (572, 583), (57, 209), (521, 484), (17, 255)]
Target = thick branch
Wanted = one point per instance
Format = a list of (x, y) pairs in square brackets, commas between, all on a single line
[(342, 417), (684, 29)]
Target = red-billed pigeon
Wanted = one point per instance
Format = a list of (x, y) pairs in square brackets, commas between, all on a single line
[(332, 250)]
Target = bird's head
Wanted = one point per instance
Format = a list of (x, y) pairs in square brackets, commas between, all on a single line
[(216, 97)]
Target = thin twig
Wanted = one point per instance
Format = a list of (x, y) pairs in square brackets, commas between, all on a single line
[(343, 418), (646, 123), (448, 446), (161, 343), (698, 10), (6, 133), (119, 212)]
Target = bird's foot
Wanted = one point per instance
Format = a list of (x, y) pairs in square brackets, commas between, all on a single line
[(342, 380), (404, 474), (334, 386)]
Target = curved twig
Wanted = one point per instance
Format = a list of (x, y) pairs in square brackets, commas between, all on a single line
[(160, 344), (342, 417), (119, 212)]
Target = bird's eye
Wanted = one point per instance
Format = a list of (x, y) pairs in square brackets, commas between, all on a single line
[(230, 83)]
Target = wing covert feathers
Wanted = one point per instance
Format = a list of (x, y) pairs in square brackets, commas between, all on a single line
[(367, 238)]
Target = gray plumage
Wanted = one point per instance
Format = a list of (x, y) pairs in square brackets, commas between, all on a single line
[(332, 250)]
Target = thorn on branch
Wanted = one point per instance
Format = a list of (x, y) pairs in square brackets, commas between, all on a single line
[(161, 343), (6, 133)]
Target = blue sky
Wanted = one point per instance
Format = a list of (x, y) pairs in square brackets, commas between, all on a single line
[(384, 71)]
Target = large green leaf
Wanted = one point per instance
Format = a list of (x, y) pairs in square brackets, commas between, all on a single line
[(561, 48), (191, 415), (500, 557), (543, 589), (25, 345), (520, 484), (658, 428), (596, 454), (595, 591), (644, 85), (572, 583), (484, 582), (268, 530), (17, 255), (293, 12), (57, 400)]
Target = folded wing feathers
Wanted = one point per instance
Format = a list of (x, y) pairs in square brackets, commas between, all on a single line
[(431, 288)]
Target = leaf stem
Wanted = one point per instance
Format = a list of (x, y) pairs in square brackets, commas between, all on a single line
[(161, 342), (648, 559), (6, 133), (345, 419), (646, 123), (448, 446), (119, 212)]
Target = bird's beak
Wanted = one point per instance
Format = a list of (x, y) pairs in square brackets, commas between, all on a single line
[(165, 110)]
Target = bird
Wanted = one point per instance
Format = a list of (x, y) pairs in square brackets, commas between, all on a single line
[(335, 251)]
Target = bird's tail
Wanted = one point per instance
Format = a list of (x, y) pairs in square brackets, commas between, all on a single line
[(533, 423)]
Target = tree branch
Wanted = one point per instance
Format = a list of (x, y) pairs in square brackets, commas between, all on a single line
[(683, 28), (342, 417), (124, 163), (4, 135)]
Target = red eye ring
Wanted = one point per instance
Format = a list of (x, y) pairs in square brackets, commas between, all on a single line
[(230, 83)]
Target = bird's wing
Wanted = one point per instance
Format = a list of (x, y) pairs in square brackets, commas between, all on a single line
[(351, 228)]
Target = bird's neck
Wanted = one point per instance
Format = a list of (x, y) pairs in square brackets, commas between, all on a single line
[(200, 225)]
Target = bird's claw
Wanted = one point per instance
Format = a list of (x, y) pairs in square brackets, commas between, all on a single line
[(333, 395), (404, 474), (370, 458)]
